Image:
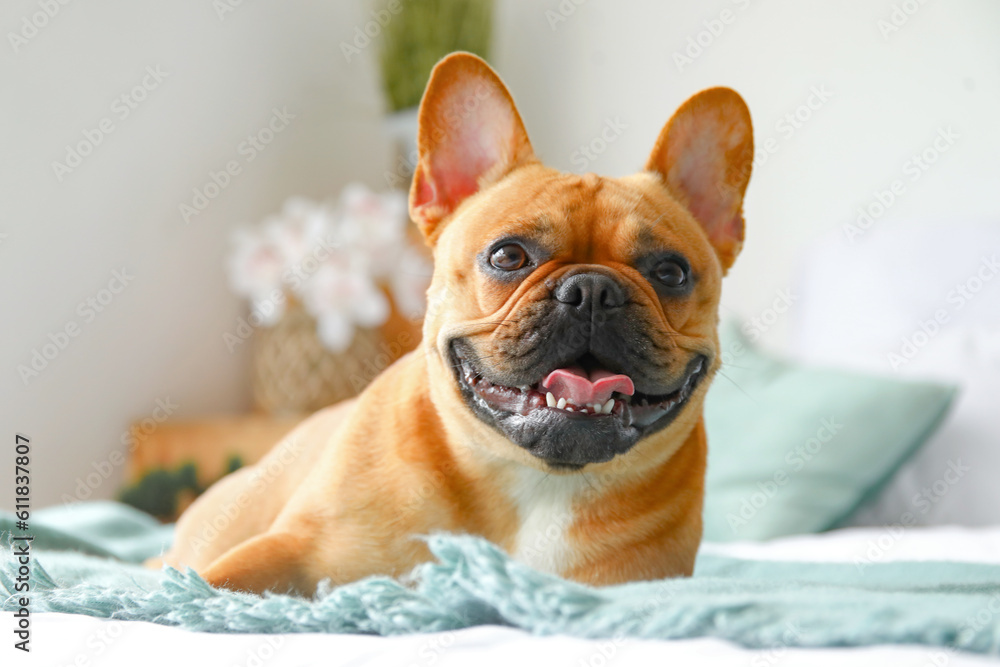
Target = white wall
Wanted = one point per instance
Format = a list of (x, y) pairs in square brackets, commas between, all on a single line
[(162, 336), (615, 59)]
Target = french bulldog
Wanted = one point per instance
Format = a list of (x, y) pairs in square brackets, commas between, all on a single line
[(554, 405)]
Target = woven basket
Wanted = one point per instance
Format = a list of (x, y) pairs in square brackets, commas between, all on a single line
[(293, 373)]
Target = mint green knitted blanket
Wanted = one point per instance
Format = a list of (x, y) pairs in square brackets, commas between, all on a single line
[(85, 562)]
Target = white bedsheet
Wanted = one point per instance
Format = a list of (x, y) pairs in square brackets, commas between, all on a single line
[(64, 639)]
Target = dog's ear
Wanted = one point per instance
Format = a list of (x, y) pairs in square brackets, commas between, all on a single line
[(704, 154), (470, 136)]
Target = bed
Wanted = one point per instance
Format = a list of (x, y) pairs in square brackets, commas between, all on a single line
[(856, 585), (75, 639)]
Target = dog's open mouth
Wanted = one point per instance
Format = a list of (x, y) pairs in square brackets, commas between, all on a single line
[(581, 390)]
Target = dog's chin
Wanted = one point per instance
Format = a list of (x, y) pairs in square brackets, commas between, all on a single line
[(568, 437)]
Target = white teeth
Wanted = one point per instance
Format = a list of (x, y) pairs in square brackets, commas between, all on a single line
[(590, 408)]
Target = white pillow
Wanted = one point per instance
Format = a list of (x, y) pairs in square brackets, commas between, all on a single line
[(923, 302)]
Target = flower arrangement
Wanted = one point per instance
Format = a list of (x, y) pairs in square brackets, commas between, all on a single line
[(338, 261)]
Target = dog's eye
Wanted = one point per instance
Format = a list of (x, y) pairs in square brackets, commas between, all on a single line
[(510, 257), (670, 273)]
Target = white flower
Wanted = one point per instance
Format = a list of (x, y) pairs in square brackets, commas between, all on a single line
[(341, 295), (300, 228), (256, 264), (374, 224), (334, 260), (409, 282)]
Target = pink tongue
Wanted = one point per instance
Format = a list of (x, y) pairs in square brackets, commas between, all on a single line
[(577, 387)]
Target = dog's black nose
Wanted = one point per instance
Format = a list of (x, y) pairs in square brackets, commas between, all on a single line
[(590, 291)]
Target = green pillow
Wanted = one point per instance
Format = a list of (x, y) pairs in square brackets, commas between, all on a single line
[(794, 449)]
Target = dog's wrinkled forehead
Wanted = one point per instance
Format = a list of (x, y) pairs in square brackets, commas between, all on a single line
[(564, 220), (587, 214)]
